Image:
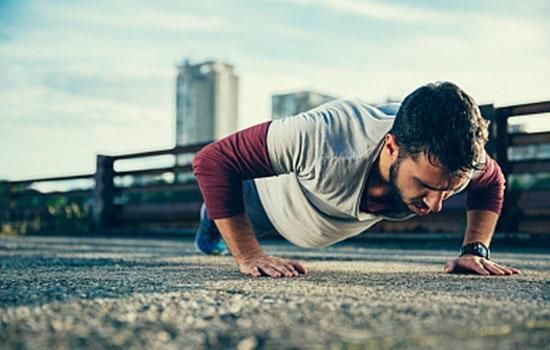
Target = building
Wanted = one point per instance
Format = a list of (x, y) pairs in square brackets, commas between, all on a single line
[(285, 105), (206, 102)]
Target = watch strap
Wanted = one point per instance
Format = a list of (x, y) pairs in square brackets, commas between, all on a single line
[(477, 249)]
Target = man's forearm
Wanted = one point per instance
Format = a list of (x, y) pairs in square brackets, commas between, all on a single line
[(481, 226), (240, 238)]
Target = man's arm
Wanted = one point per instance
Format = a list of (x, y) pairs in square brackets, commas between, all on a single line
[(241, 240), (480, 228), (484, 199), (220, 169)]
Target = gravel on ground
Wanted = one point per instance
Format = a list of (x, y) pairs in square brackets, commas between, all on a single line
[(80, 293)]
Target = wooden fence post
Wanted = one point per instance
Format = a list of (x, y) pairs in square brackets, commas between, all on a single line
[(103, 208), (498, 148), (502, 140), (488, 112), (508, 216)]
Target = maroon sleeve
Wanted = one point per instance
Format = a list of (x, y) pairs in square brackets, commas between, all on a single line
[(221, 167), (486, 192)]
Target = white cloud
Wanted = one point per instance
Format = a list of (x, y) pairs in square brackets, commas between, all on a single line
[(494, 68), (27, 97), (56, 132), (381, 10), (385, 11), (140, 18), (496, 59)]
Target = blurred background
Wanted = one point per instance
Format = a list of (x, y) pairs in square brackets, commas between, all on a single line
[(80, 78)]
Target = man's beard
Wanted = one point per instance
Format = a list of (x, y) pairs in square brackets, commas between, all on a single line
[(397, 203)]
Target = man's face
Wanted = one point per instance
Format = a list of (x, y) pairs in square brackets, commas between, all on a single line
[(419, 186)]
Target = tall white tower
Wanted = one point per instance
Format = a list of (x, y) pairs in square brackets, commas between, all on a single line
[(206, 102)]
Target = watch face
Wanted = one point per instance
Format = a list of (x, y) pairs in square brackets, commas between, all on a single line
[(484, 251), (481, 250)]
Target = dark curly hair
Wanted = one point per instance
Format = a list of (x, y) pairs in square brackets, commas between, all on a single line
[(444, 123)]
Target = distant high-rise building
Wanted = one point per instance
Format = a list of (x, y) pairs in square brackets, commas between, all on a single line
[(285, 105), (206, 102)]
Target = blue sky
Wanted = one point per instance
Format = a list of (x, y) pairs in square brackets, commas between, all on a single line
[(85, 77)]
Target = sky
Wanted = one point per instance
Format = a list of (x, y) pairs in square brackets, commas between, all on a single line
[(80, 78)]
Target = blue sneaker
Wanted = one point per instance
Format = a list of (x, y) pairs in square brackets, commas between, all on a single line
[(208, 239)]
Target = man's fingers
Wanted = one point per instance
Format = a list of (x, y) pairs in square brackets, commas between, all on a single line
[(292, 269), (251, 270), (266, 270), (508, 270), (299, 266), (495, 270), (255, 272), (272, 267), (477, 267), (270, 271), (449, 266), (281, 267)]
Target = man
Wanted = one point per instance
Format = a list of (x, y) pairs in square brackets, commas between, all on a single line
[(331, 173)]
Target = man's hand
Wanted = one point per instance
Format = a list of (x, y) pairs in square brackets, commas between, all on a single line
[(241, 240), (470, 263), (264, 265)]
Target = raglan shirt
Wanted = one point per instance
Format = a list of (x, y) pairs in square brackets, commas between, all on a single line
[(311, 171)]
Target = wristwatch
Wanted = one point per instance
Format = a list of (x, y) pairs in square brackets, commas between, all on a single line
[(477, 249)]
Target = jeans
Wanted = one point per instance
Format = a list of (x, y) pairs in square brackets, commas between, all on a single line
[(253, 208)]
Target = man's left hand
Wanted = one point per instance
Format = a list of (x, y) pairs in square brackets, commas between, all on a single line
[(475, 264)]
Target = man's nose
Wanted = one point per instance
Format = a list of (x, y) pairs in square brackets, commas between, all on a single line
[(434, 201)]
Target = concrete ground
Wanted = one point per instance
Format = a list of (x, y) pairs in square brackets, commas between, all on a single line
[(73, 293)]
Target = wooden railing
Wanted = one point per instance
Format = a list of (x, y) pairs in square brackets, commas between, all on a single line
[(105, 205), (524, 210), (107, 213), (24, 209)]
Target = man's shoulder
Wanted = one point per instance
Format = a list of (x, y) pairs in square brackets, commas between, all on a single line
[(346, 108), (361, 108), (345, 123)]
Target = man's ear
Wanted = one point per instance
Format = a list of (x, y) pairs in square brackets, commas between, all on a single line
[(391, 147)]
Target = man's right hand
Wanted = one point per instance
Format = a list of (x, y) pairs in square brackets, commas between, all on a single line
[(241, 240), (271, 266)]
